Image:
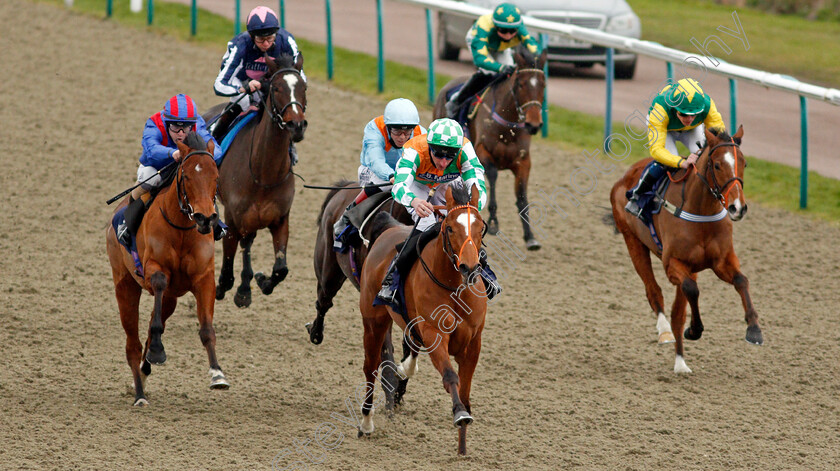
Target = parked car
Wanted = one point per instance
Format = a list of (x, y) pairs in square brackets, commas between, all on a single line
[(611, 16)]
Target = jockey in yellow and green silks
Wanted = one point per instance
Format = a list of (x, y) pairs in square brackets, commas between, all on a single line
[(681, 112), (490, 41)]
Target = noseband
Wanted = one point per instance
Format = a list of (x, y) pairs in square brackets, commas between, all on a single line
[(520, 109), (276, 116), (720, 192), (448, 249), (184, 200)]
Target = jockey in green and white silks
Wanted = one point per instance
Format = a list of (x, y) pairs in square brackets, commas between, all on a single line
[(491, 41), (681, 112), (439, 158)]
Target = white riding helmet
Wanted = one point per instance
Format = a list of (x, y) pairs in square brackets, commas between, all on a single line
[(401, 112)]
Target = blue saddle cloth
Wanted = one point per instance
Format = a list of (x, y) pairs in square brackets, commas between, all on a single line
[(399, 300), (119, 218), (651, 205), (235, 127)]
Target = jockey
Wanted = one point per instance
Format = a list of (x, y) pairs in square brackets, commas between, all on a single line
[(680, 112), (433, 160), (163, 131), (490, 41), (382, 147), (243, 65)]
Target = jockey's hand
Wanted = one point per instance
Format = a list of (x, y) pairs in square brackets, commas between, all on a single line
[(253, 86), (391, 180), (177, 155), (507, 69), (691, 159), (422, 207)]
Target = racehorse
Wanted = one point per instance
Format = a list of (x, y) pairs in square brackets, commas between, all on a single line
[(175, 245), (445, 312), (333, 268), (506, 118), (695, 235), (255, 182)]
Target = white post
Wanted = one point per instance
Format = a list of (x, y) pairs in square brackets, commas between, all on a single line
[(68, 3), (136, 6)]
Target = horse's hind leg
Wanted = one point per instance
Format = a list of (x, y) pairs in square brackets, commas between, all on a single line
[(128, 300), (522, 171), (451, 383), (243, 293), (203, 291), (330, 279), (388, 371), (680, 275), (491, 172), (640, 255), (280, 237), (407, 368), (728, 270), (155, 353), (228, 254)]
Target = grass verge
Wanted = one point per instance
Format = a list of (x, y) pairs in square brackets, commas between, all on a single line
[(769, 183)]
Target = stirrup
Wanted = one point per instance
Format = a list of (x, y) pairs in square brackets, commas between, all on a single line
[(633, 208), (123, 235), (387, 294)]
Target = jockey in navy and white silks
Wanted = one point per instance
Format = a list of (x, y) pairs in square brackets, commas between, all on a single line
[(244, 60), (159, 139)]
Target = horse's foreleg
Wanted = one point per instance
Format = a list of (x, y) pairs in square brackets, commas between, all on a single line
[(280, 237), (228, 254), (128, 300), (640, 255), (522, 171), (407, 369), (330, 278), (375, 330), (491, 172), (205, 304), (243, 293), (467, 361), (680, 275), (155, 353), (388, 371), (729, 271)]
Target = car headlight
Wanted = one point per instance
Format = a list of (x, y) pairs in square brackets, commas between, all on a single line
[(622, 23)]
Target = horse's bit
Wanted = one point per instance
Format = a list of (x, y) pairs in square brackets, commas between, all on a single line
[(720, 191), (276, 116)]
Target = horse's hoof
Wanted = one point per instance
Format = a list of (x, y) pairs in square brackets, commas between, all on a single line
[(219, 382), (363, 434), (156, 358), (754, 335), (142, 402), (220, 293), (462, 417), (666, 338), (493, 227), (316, 336), (532, 244), (689, 334), (242, 299), (263, 282)]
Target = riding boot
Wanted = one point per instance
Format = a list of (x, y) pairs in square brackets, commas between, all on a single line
[(220, 127), (220, 230), (651, 174), (293, 153), (475, 84), (389, 289), (489, 277), (340, 226), (133, 217)]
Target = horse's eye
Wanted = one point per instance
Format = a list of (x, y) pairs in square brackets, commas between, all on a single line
[(449, 229), (717, 166)]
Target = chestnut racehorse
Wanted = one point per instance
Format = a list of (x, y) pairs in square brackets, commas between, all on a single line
[(444, 311), (256, 184), (510, 113), (175, 245), (700, 238)]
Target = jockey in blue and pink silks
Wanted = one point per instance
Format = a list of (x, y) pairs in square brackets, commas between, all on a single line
[(243, 65), (161, 134)]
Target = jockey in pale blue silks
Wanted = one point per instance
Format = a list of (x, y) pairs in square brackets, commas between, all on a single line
[(163, 131), (243, 65)]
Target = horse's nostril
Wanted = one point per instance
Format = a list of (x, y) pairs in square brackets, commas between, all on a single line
[(732, 208)]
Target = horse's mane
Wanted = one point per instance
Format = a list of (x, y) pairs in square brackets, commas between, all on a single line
[(195, 141), (461, 194), (340, 183), (285, 61), (382, 222), (720, 134), (527, 55)]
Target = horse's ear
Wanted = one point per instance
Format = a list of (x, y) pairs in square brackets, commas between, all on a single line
[(210, 146), (711, 138), (299, 62), (272, 64), (738, 135), (450, 201), (183, 148), (543, 57), (474, 195)]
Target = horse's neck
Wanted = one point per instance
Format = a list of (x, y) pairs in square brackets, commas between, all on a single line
[(504, 101), (439, 263), (167, 200), (270, 141), (698, 196)]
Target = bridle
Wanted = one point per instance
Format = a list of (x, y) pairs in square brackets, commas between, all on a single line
[(449, 249), (183, 199), (276, 116), (720, 192), (520, 109)]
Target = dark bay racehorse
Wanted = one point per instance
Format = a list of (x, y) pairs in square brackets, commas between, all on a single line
[(333, 268), (175, 244), (509, 114), (700, 238), (256, 184), (444, 318)]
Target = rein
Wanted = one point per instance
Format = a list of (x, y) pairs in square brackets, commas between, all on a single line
[(184, 201), (520, 109), (448, 248)]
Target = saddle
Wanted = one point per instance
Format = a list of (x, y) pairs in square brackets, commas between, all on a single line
[(469, 108), (238, 123)]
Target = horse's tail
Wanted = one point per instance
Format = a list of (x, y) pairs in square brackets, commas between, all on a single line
[(609, 220), (382, 222), (330, 195)]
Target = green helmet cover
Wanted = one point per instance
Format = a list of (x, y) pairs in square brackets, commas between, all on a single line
[(507, 15), (688, 98), (445, 132)]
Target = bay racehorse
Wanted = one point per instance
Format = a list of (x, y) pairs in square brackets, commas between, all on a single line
[(256, 184), (507, 116), (445, 300), (175, 245), (695, 234), (333, 268)]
